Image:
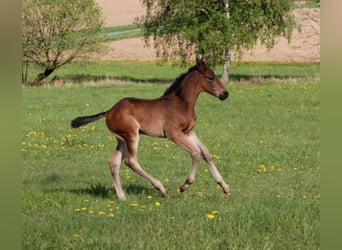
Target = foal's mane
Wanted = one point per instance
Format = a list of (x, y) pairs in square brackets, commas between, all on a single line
[(175, 87)]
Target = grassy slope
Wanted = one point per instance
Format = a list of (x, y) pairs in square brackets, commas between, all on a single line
[(265, 142)]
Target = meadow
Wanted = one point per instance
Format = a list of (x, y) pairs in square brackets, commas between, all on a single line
[(265, 141)]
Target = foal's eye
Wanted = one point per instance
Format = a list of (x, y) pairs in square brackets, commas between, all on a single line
[(211, 78)]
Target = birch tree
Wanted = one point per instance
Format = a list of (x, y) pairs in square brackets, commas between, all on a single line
[(214, 28)]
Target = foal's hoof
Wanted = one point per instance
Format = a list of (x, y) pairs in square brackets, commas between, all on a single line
[(165, 195), (228, 193), (182, 189)]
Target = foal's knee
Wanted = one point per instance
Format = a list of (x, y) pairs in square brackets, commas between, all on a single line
[(196, 156), (206, 155), (130, 162), (113, 161)]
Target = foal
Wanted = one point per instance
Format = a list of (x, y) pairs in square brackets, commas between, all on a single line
[(170, 116)]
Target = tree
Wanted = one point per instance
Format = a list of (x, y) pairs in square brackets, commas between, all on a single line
[(57, 32), (213, 28)]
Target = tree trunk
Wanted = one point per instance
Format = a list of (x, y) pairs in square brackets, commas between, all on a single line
[(41, 76), (226, 66), (24, 72)]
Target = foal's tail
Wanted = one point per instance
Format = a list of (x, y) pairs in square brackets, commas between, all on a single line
[(83, 120)]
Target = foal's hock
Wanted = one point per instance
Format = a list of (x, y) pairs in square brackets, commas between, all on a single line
[(170, 116)]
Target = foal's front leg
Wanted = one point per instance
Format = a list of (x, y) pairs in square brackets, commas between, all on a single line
[(208, 158), (195, 147)]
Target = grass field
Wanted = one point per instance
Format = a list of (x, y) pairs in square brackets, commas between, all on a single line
[(265, 140), (151, 72)]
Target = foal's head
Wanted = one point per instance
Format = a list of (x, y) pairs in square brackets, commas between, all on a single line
[(209, 81)]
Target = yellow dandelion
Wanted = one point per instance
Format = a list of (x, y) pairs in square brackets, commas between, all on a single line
[(214, 212), (149, 197), (210, 216), (102, 213), (278, 196), (83, 209), (111, 215), (76, 236), (157, 203), (77, 209), (263, 168), (134, 204), (91, 212)]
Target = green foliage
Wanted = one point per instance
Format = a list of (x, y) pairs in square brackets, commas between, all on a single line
[(57, 32), (209, 28), (265, 140)]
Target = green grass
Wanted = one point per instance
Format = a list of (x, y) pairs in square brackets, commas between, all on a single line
[(151, 72), (307, 4), (265, 140), (120, 28), (124, 32)]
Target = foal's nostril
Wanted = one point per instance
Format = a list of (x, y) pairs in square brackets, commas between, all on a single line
[(223, 95)]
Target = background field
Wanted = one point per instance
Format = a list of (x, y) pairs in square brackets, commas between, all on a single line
[(265, 140), (305, 44)]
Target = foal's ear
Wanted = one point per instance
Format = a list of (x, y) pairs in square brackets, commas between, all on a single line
[(200, 64)]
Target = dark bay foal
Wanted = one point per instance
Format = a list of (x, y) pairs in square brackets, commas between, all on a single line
[(170, 116)]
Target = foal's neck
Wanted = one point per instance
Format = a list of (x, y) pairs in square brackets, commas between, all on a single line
[(190, 89)]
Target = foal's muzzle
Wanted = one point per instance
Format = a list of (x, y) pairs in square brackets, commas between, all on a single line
[(223, 95)]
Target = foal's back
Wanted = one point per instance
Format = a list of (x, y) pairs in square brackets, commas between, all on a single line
[(140, 115)]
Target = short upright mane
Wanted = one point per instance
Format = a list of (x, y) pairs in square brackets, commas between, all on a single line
[(175, 86)]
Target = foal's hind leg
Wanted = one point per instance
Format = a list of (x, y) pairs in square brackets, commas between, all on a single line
[(194, 146), (114, 166), (131, 161)]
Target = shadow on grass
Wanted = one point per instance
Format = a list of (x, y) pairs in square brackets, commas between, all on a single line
[(101, 190), (138, 189), (78, 78), (96, 190)]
